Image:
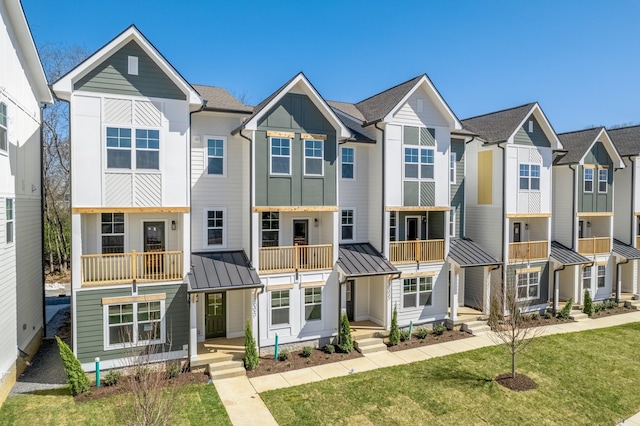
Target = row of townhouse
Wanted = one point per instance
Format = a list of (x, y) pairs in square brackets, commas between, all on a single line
[(23, 88), (194, 214)]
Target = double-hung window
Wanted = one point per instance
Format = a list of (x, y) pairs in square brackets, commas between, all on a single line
[(313, 157), (528, 285), (602, 273), (112, 233), (417, 292), (215, 227), (10, 220), (134, 324), (588, 180), (452, 167), (215, 157), (280, 156), (270, 229), (147, 149), (586, 278), (347, 225), (313, 303), (348, 156), (4, 141), (118, 148), (418, 163), (530, 177), (452, 222), (393, 227), (279, 307), (603, 179)]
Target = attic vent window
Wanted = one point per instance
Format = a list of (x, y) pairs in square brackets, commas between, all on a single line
[(133, 65), (420, 106), (530, 126)]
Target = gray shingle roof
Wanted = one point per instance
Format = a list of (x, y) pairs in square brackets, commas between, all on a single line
[(358, 260), (222, 270), (576, 144), (626, 139), (498, 126), (219, 99), (625, 250), (376, 107), (467, 253), (566, 256), (347, 108)]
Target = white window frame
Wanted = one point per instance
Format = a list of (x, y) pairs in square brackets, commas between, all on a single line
[(136, 149), (134, 324), (452, 167), (418, 163), (132, 149), (352, 163), (452, 222), (272, 156), (585, 180), (601, 276), (225, 220), (10, 226), (605, 181), (529, 176), (123, 234), (305, 157), (587, 277), (287, 307), (316, 300), (4, 129), (423, 286), (528, 285), (208, 138), (352, 224), (263, 230), (132, 62), (530, 126)]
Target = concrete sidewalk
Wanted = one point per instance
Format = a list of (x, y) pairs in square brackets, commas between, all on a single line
[(244, 406)]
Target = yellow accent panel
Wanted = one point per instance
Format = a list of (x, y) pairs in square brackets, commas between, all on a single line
[(594, 214), (485, 177), (131, 299)]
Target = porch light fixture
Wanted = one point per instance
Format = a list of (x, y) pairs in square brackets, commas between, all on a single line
[(526, 226), (173, 225), (588, 224), (316, 222)]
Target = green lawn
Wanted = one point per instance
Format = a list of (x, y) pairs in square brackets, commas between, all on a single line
[(196, 405), (583, 378)]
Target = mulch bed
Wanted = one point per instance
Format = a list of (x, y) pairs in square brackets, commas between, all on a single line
[(615, 311), (542, 321), (431, 339), (519, 384), (268, 365), (123, 385)]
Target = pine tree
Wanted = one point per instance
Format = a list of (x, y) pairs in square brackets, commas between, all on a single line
[(394, 333), (76, 377), (588, 304), (346, 341), (251, 359)]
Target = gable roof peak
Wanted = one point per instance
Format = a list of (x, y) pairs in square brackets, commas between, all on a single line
[(528, 105)]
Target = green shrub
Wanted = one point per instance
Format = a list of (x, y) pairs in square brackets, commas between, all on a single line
[(173, 370), (344, 335), (306, 351), (329, 349), (609, 304), (283, 355), (422, 333), (111, 378), (404, 335), (597, 307), (566, 310), (439, 330), (588, 304), (394, 333), (548, 315), (76, 377), (251, 359), (494, 313), (142, 373), (534, 316)]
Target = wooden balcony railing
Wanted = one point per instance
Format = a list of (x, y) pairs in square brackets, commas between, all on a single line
[(528, 250), (416, 251), (595, 245), (119, 268), (638, 242), (296, 258)]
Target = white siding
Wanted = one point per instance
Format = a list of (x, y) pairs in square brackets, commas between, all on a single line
[(409, 114), (563, 216), (519, 201), (376, 204), (354, 192), (440, 297), (623, 227)]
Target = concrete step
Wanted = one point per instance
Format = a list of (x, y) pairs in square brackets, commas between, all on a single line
[(370, 345), (578, 316), (225, 369), (476, 327), (633, 304)]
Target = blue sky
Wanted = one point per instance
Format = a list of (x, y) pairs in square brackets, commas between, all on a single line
[(578, 58)]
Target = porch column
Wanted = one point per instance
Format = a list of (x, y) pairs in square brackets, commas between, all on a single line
[(619, 279), (487, 291), (556, 290), (193, 328), (635, 278), (454, 292)]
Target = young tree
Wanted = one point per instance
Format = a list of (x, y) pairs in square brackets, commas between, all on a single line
[(344, 335), (251, 359), (394, 333)]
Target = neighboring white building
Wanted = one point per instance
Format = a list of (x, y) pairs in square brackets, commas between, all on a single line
[(23, 87)]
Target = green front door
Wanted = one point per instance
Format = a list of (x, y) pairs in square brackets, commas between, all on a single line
[(215, 316)]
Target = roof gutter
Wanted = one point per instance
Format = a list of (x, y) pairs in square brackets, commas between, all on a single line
[(384, 200)]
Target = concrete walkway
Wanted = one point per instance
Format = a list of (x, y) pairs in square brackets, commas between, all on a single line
[(244, 406)]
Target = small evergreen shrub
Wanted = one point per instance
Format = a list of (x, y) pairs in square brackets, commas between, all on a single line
[(597, 307), (111, 378), (283, 355), (609, 304), (173, 370), (142, 372), (404, 335), (422, 333), (251, 359), (344, 335), (548, 315), (588, 304), (306, 351), (76, 377), (439, 330), (329, 349), (394, 333), (566, 310), (534, 316)]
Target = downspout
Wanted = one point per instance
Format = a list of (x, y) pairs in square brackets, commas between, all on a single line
[(384, 200), (42, 213)]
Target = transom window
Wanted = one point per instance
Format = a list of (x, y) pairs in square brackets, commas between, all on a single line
[(313, 303), (602, 274), (280, 307), (348, 163), (528, 285), (9, 214), (112, 233), (452, 167), (215, 157), (588, 180), (270, 229), (603, 179), (347, 225), (134, 324), (215, 227), (4, 144), (280, 156), (118, 148), (586, 278), (417, 292), (313, 157), (147, 149), (418, 163), (530, 177)]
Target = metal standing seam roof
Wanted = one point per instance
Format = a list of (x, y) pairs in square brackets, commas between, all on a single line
[(498, 126), (566, 256), (626, 139), (625, 250), (222, 270), (467, 253), (362, 259)]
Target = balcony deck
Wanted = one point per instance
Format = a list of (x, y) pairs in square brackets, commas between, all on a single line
[(123, 268), (416, 251), (594, 245), (528, 250), (280, 259)]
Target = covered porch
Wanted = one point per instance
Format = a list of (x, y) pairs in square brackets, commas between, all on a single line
[(568, 275), (626, 273), (212, 350)]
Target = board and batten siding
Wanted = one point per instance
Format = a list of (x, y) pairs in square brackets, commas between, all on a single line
[(112, 76), (354, 192), (596, 201), (457, 188), (563, 215), (536, 138), (90, 320)]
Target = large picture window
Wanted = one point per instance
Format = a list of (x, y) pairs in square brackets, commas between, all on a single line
[(528, 285), (270, 229), (280, 307), (10, 220), (530, 177), (4, 144), (134, 324), (112, 233), (215, 157), (418, 163), (147, 149), (347, 225), (280, 156), (348, 162), (215, 227), (417, 292), (313, 157), (313, 303)]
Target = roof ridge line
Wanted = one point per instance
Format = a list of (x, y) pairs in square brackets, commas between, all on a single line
[(390, 88), (499, 111)]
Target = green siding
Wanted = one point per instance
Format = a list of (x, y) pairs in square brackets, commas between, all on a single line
[(411, 193), (411, 135), (436, 225), (296, 114), (596, 201), (427, 136), (457, 189), (111, 76), (428, 194), (536, 138), (90, 323), (544, 279)]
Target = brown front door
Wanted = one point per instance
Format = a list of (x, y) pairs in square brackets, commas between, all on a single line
[(153, 248)]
